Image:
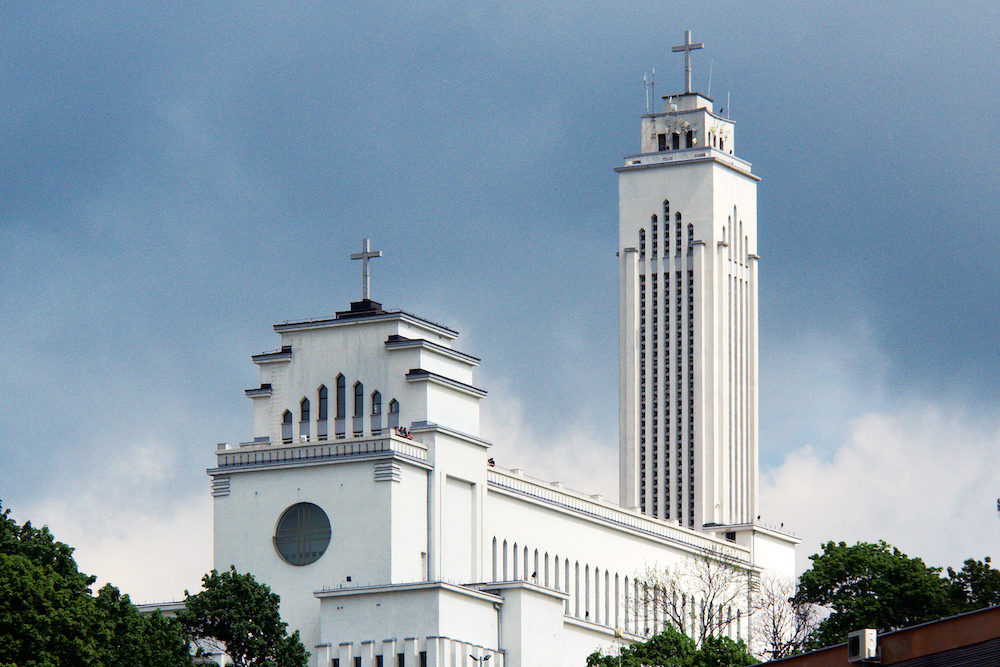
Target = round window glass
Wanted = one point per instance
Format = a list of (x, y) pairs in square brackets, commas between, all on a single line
[(303, 534)]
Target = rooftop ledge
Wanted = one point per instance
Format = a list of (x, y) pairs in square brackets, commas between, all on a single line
[(703, 154), (596, 509), (266, 454), (421, 375), (375, 589), (397, 342), (373, 316)]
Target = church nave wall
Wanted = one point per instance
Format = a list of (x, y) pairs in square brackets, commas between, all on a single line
[(600, 567)]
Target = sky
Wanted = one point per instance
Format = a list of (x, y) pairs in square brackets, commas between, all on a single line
[(178, 177)]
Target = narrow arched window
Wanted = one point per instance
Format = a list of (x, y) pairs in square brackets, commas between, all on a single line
[(376, 403), (359, 399), (322, 402), (394, 407), (341, 397), (321, 430), (652, 225), (677, 235), (286, 426), (666, 227), (286, 417), (304, 423)]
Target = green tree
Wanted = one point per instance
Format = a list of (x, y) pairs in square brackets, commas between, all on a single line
[(49, 617), (46, 610), (871, 586), (241, 614), (975, 586), (723, 652), (43, 620), (129, 637), (671, 648)]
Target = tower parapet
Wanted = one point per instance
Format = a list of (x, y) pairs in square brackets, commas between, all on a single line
[(687, 122)]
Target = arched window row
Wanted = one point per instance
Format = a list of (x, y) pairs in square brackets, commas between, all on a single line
[(366, 412), (674, 242), (610, 599), (736, 239)]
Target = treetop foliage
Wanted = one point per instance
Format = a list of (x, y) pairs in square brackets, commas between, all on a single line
[(877, 586), (975, 586), (48, 616), (237, 611), (670, 648), (40, 548)]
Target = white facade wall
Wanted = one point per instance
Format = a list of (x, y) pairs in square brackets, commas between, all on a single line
[(245, 522), (417, 612), (590, 550), (345, 347)]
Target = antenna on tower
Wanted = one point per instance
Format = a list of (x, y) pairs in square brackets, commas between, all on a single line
[(650, 91), (727, 105), (711, 63)]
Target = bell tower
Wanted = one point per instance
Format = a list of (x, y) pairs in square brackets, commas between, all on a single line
[(687, 262)]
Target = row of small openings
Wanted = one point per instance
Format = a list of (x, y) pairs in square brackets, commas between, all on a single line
[(566, 579), (691, 407), (380, 661), (674, 140), (643, 407), (717, 141), (643, 603), (340, 422), (678, 226), (642, 366)]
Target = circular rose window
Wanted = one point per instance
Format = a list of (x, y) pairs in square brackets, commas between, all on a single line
[(303, 534)]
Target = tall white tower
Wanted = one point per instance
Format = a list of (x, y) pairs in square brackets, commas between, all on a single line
[(687, 244)]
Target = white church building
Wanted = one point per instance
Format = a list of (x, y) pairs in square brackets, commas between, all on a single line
[(368, 501)]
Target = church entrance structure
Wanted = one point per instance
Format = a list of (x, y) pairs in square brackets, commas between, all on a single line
[(368, 500)]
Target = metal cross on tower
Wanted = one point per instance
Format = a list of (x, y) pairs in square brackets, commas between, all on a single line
[(365, 254), (687, 47)]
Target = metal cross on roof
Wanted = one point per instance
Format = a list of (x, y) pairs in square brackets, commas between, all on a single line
[(687, 47), (365, 254)]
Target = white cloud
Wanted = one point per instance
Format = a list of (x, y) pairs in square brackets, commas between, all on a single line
[(127, 530), (923, 477), (576, 455), (814, 382), (150, 555)]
